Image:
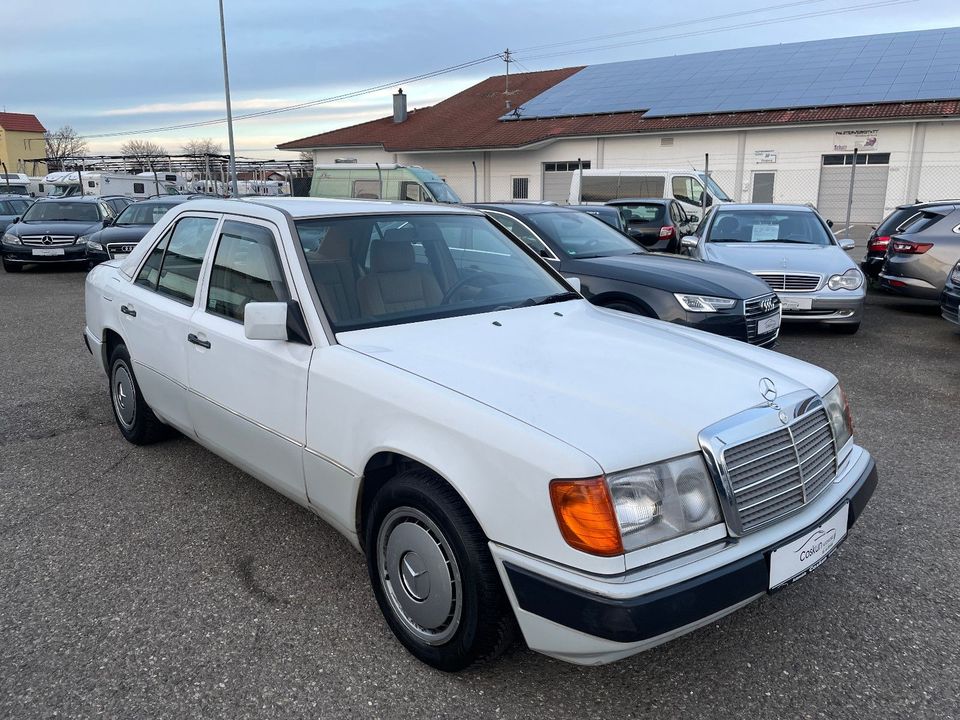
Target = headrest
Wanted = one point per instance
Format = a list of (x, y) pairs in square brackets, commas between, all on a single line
[(392, 255), (726, 225), (335, 244)]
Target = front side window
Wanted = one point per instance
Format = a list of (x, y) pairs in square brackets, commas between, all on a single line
[(368, 189), (687, 189), (180, 269), (391, 269), (788, 226), (578, 235), (245, 269), (62, 210)]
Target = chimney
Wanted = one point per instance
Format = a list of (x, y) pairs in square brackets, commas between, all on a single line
[(399, 106)]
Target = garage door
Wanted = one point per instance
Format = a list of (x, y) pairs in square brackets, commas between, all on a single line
[(556, 180), (869, 191)]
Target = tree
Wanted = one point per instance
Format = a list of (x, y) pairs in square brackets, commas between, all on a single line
[(63, 144), (198, 150), (141, 152)]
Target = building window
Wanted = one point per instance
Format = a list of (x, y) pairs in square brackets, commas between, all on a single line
[(138, 188), (521, 188), (862, 159), (565, 166), (666, 142), (91, 183)]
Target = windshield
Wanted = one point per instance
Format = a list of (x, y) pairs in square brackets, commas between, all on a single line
[(716, 190), (442, 192), (393, 269), (62, 210), (143, 213), (768, 226), (578, 235)]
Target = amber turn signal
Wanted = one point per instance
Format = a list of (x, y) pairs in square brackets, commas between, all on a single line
[(585, 515)]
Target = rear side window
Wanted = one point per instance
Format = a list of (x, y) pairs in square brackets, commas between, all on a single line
[(246, 269), (892, 222), (173, 267), (919, 222)]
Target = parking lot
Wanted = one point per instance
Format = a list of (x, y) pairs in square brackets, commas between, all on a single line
[(162, 582)]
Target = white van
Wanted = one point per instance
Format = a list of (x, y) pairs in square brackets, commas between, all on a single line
[(380, 182), (14, 184), (685, 186)]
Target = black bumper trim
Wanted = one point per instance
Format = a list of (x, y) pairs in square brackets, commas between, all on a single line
[(649, 616)]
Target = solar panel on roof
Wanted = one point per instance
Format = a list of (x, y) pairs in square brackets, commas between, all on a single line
[(897, 67)]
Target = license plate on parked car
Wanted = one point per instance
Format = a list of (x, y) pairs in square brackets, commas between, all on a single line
[(791, 561), (789, 303), (46, 252), (768, 325)]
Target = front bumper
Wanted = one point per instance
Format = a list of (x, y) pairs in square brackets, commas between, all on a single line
[(591, 620), (732, 324), (950, 304), (25, 253), (828, 306)]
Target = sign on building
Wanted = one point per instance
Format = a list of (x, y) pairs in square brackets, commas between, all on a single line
[(847, 140)]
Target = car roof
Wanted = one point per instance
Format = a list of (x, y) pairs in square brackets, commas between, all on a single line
[(775, 207), (72, 198), (648, 201), (523, 208), (928, 204), (593, 208), (312, 207)]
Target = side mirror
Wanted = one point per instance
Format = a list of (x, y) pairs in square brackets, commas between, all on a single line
[(574, 282), (830, 223), (275, 321), (107, 222), (693, 218), (847, 244), (15, 220), (689, 242)]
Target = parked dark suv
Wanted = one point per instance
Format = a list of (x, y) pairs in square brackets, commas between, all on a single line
[(52, 230), (617, 273), (923, 252), (879, 238)]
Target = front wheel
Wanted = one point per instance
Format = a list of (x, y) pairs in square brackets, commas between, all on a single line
[(134, 417), (432, 574)]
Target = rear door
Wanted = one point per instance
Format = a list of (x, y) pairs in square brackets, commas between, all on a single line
[(248, 397), (156, 311)]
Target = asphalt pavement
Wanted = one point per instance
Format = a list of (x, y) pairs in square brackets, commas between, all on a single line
[(161, 582)]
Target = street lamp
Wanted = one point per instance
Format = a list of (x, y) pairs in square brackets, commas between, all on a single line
[(226, 90)]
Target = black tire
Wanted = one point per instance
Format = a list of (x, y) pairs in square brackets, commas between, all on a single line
[(477, 623), (627, 307), (847, 329), (134, 417), (11, 267)]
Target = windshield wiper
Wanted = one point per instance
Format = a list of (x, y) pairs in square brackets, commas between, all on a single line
[(555, 298), (785, 240)]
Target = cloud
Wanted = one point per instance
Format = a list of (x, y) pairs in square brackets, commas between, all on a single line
[(197, 106)]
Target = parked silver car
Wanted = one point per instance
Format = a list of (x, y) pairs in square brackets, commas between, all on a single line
[(923, 252), (793, 249)]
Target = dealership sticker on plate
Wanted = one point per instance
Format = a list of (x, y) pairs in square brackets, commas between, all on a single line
[(790, 562), (47, 252), (789, 303), (767, 325)]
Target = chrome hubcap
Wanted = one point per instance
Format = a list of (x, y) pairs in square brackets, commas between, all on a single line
[(420, 575), (124, 395)]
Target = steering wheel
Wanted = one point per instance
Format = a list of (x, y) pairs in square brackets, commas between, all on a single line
[(480, 280)]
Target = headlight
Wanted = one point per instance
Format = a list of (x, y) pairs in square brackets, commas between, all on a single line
[(955, 275), (635, 508), (838, 410), (850, 280), (81, 240), (704, 303), (93, 244), (11, 239)]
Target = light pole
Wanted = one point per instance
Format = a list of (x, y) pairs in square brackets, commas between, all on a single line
[(226, 90)]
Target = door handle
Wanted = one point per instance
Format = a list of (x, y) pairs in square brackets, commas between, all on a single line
[(197, 341), (127, 310)]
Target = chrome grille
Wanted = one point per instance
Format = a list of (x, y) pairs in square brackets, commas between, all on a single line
[(791, 282), (55, 240), (757, 309), (781, 471), (123, 248)]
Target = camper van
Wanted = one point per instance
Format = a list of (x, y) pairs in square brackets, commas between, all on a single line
[(14, 184), (167, 178), (684, 186), (263, 187), (380, 182), (67, 184)]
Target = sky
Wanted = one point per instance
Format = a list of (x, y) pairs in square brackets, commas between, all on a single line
[(116, 66)]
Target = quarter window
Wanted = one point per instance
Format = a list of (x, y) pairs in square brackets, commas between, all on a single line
[(180, 269), (246, 269)]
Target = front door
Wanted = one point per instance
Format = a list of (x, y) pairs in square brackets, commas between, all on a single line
[(248, 397)]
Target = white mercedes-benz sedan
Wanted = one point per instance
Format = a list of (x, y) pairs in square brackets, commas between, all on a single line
[(492, 443)]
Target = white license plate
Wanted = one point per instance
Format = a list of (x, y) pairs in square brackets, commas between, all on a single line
[(801, 556), (47, 252), (768, 325), (789, 303), (119, 256)]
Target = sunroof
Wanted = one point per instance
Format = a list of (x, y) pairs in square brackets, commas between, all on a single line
[(896, 67)]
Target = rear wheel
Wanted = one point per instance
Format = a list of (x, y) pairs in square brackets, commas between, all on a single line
[(11, 267), (134, 417), (432, 574)]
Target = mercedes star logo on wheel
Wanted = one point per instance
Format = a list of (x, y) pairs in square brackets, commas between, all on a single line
[(768, 389)]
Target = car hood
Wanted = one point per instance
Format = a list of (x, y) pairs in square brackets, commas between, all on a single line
[(623, 389), (672, 273), (780, 257), (53, 228), (121, 233)]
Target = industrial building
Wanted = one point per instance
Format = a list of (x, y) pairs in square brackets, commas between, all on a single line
[(779, 122)]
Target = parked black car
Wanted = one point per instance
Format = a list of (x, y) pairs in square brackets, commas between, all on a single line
[(12, 207), (119, 237), (611, 216), (879, 238), (52, 230), (656, 223), (615, 272), (950, 299)]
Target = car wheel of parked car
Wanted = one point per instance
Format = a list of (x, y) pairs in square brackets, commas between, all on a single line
[(848, 329), (134, 417), (11, 267), (432, 574)]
